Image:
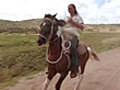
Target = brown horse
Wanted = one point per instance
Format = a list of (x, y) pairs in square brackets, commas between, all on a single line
[(58, 57)]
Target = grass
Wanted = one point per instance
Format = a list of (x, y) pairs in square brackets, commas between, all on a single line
[(20, 55), (96, 40)]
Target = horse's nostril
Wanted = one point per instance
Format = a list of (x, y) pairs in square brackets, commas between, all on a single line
[(38, 41), (44, 41)]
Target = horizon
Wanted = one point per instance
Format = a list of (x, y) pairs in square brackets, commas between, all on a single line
[(41, 18)]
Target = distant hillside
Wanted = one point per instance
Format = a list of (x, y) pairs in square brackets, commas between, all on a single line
[(32, 26), (103, 27), (25, 26)]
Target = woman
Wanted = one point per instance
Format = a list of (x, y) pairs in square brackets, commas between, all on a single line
[(74, 23)]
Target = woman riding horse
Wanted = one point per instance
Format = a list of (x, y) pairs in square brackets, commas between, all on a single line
[(74, 22), (57, 58)]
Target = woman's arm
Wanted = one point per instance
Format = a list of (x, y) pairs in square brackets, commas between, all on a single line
[(78, 25)]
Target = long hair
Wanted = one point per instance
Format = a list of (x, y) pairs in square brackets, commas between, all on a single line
[(74, 8)]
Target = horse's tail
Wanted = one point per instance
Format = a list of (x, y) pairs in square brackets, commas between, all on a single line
[(92, 53)]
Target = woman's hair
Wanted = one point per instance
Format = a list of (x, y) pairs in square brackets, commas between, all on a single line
[(73, 7)]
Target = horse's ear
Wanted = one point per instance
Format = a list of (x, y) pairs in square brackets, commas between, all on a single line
[(54, 15), (45, 15)]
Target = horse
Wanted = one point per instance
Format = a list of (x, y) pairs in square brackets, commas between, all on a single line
[(58, 57)]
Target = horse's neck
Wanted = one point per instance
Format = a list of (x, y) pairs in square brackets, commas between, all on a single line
[(55, 47)]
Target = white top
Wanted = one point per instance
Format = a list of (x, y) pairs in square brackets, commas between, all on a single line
[(77, 18), (68, 30), (71, 29)]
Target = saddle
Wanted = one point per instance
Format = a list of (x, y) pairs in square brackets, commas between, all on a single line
[(80, 48)]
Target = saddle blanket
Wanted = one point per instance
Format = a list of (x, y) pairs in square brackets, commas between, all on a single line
[(81, 49)]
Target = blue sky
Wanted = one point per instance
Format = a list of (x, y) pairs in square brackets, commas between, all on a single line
[(100, 2), (92, 11)]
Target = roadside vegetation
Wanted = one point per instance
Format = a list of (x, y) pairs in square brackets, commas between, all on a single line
[(20, 55)]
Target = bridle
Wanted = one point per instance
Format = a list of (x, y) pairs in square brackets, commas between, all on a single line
[(49, 40), (51, 32)]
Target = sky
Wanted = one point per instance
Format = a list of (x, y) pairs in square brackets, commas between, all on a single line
[(92, 11)]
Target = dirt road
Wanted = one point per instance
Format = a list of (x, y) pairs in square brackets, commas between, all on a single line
[(103, 75)]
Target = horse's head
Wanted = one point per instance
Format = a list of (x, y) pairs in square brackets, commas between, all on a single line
[(48, 29)]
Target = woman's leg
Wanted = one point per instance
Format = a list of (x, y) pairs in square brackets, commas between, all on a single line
[(74, 56)]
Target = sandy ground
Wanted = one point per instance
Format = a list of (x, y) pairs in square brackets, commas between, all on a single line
[(103, 75)]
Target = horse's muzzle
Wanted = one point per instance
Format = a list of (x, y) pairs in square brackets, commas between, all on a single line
[(41, 41)]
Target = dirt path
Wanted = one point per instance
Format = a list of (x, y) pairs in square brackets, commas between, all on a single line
[(103, 75)]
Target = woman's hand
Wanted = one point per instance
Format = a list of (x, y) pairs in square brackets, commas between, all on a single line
[(78, 25), (69, 19)]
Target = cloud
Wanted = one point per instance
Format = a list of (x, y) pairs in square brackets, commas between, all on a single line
[(92, 11)]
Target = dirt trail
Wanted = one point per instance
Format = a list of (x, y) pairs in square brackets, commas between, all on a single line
[(103, 75)]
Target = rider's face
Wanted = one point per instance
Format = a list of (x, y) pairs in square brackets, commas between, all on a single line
[(71, 10)]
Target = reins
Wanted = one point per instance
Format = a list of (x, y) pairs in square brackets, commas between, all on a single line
[(51, 32), (56, 61)]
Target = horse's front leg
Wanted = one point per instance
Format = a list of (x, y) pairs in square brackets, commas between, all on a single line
[(48, 79), (62, 77), (46, 83)]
